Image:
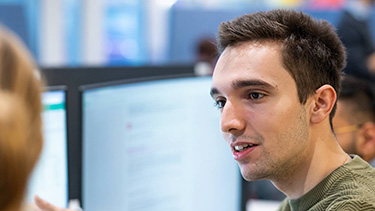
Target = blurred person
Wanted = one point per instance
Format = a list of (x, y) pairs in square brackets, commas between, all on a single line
[(276, 84), (354, 123), (20, 119), (207, 54), (355, 32)]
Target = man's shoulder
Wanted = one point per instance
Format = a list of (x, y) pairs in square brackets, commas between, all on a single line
[(361, 172), (346, 202), (350, 187), (357, 177), (352, 204), (355, 190)]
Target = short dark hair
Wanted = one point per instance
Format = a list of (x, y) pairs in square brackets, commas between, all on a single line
[(360, 95), (311, 50)]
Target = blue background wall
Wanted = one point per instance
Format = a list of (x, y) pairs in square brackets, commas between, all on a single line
[(188, 25)]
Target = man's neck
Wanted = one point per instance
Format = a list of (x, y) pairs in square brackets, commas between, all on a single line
[(323, 157)]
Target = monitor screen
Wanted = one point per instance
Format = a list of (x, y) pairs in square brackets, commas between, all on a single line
[(156, 145), (50, 177)]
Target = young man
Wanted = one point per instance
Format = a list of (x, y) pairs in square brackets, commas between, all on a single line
[(354, 122), (276, 84)]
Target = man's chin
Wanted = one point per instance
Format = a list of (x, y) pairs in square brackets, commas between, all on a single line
[(249, 175)]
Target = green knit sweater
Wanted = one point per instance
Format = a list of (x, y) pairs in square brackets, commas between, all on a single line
[(350, 187)]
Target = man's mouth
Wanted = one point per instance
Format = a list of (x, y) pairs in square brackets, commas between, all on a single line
[(242, 151), (242, 147)]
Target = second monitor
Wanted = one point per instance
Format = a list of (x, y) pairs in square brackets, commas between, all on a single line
[(50, 176)]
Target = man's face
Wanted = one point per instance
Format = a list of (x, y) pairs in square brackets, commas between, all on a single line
[(346, 139), (262, 119)]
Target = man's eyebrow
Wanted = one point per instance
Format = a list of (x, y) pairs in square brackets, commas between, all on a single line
[(238, 84)]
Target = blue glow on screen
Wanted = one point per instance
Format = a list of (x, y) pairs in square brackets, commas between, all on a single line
[(156, 146)]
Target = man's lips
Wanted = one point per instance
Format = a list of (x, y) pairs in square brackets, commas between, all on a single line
[(242, 150)]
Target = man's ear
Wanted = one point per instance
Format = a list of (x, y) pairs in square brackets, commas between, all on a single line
[(366, 144), (323, 101)]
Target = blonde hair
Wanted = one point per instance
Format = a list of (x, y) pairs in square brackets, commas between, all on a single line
[(20, 119)]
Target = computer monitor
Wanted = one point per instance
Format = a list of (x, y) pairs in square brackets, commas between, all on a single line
[(156, 145), (49, 179), (73, 78)]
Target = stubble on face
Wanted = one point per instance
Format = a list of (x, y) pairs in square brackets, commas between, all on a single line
[(278, 161)]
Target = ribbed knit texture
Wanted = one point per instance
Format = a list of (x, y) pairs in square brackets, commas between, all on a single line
[(350, 187)]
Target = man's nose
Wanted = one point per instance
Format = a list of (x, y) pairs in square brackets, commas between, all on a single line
[(232, 119)]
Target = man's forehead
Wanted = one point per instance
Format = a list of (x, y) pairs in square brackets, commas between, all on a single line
[(245, 51), (250, 61)]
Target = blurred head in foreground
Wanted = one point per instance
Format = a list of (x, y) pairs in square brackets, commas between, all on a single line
[(20, 119)]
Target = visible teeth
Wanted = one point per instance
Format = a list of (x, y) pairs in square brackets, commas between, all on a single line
[(238, 147), (242, 147)]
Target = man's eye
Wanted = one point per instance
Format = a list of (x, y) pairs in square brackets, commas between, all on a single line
[(220, 104), (256, 96)]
